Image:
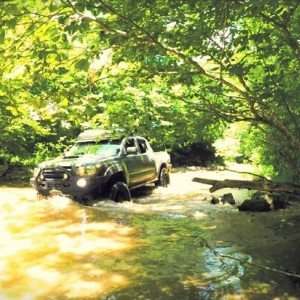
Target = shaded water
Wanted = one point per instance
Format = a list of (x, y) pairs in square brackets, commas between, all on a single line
[(58, 249)]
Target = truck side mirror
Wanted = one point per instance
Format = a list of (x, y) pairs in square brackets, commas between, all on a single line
[(131, 150)]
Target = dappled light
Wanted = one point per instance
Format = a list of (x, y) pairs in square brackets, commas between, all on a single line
[(49, 251)]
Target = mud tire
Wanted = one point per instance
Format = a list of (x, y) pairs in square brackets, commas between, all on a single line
[(120, 192), (163, 177)]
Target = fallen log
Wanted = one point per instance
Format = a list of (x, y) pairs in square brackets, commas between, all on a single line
[(267, 186)]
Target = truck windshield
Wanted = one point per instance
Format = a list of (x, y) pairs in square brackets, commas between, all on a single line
[(102, 148)]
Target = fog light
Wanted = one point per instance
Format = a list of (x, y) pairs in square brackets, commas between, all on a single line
[(81, 182)]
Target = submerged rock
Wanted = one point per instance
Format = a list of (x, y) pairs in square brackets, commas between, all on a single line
[(279, 201), (214, 200), (228, 198), (254, 205), (263, 201)]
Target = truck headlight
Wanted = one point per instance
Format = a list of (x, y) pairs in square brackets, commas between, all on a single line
[(81, 182), (87, 170)]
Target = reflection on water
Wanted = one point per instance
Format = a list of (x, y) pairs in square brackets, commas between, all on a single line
[(57, 249), (50, 252)]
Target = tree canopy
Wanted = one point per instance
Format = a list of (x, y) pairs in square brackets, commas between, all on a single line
[(175, 71)]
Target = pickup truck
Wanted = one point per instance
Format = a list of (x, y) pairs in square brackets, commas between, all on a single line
[(102, 164)]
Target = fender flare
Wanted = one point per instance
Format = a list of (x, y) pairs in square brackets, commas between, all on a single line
[(116, 168)]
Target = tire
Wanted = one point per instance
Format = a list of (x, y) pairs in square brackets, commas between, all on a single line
[(120, 192), (163, 177), (85, 200)]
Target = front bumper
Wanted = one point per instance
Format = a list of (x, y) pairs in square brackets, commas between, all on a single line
[(73, 185)]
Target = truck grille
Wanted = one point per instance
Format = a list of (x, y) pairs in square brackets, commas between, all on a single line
[(57, 173)]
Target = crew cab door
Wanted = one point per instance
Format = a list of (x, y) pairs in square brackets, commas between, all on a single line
[(140, 166), (148, 170)]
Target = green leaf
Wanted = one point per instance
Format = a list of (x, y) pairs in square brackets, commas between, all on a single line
[(2, 36), (64, 102), (82, 64), (11, 23), (13, 110)]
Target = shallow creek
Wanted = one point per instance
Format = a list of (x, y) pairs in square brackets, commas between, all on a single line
[(160, 246)]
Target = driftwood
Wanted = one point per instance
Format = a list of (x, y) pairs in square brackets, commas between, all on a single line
[(267, 186)]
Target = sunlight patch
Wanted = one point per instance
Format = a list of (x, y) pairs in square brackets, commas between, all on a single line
[(60, 201), (84, 289), (199, 215), (46, 275), (89, 243)]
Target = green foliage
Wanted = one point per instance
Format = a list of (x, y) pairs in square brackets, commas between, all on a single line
[(270, 155), (49, 150), (177, 72)]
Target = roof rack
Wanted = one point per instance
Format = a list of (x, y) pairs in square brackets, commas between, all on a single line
[(99, 134), (93, 134)]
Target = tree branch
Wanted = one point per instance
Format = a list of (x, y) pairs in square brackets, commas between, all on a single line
[(292, 42), (246, 184)]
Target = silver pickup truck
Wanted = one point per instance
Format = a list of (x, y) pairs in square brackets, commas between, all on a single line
[(102, 164)]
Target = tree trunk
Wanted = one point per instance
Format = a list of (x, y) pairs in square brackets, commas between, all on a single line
[(4, 166), (267, 186)]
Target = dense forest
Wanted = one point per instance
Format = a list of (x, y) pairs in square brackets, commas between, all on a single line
[(181, 73)]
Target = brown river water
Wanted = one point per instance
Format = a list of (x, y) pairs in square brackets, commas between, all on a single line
[(162, 245)]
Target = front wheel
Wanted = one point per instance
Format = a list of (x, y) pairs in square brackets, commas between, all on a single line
[(120, 192), (163, 177)]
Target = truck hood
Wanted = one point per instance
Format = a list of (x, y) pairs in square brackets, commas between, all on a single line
[(74, 162)]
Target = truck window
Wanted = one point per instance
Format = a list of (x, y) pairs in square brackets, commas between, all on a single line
[(143, 146), (102, 148), (129, 143)]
